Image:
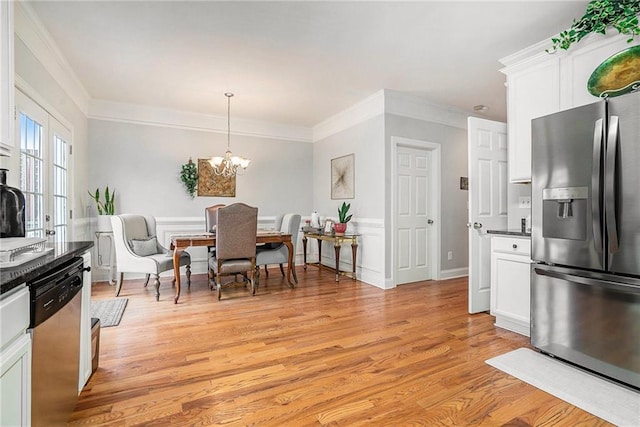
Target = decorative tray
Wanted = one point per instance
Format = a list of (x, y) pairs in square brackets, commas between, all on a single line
[(617, 75)]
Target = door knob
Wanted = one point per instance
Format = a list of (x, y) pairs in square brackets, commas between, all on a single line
[(429, 221), (477, 225), (49, 232)]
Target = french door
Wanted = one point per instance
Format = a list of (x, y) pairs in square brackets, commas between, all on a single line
[(44, 170)]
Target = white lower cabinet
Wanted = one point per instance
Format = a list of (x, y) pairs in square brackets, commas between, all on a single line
[(15, 359), (510, 282)]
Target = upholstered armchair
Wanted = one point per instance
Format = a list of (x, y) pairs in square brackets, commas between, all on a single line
[(290, 224), (210, 216), (235, 251), (138, 251)]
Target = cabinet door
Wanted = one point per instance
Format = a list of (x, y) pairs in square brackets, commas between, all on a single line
[(532, 92), (15, 383), (578, 65), (510, 283), (6, 77), (85, 326)]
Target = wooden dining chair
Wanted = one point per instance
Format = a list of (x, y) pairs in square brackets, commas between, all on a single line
[(235, 252)]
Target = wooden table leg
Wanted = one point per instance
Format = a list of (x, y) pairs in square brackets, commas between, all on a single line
[(304, 246), (176, 271), (337, 248), (354, 252), (289, 246)]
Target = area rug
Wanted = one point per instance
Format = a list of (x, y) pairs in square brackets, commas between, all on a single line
[(604, 399), (108, 311)]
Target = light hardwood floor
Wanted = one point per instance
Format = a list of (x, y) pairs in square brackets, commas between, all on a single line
[(346, 354)]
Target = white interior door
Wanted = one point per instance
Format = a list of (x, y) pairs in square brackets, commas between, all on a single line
[(416, 186), (488, 180)]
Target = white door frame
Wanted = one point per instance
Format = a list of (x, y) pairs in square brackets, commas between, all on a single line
[(434, 192)]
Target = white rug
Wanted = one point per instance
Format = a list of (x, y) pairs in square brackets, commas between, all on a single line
[(604, 399), (109, 311)]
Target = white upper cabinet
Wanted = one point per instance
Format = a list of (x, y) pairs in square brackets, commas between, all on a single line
[(6, 77), (539, 83)]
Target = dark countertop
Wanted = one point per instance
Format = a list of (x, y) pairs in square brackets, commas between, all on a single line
[(62, 252), (513, 232)]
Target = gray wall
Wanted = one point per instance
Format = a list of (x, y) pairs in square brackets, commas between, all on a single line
[(453, 142), (143, 164), (366, 141)]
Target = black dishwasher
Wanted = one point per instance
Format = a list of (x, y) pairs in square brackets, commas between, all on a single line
[(55, 328)]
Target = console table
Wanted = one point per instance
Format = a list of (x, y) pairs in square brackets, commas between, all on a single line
[(337, 241)]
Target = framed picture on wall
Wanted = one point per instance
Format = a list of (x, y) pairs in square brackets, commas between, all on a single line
[(343, 177), (210, 184)]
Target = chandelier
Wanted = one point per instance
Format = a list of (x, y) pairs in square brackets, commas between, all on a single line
[(229, 165)]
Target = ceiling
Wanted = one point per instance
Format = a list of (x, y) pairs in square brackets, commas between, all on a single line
[(298, 62)]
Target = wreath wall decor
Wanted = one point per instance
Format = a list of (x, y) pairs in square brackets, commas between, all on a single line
[(189, 177)]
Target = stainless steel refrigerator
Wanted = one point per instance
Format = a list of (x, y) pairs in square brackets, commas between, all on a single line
[(585, 238)]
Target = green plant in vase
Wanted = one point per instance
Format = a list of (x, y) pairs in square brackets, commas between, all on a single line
[(106, 207), (343, 218)]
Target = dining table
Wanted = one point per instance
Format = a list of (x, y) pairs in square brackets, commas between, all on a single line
[(180, 242)]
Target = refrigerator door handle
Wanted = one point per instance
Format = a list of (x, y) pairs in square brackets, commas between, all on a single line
[(610, 183), (621, 287), (595, 185)]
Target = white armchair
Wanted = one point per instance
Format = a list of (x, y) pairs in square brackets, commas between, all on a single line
[(138, 251)]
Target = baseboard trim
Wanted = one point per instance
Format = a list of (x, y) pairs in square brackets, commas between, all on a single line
[(454, 273)]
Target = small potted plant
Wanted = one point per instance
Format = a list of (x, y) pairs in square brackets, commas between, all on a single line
[(343, 218), (106, 208)]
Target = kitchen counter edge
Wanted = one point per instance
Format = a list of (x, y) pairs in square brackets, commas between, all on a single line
[(15, 276)]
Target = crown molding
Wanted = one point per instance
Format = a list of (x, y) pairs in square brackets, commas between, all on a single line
[(415, 107), (29, 28), (154, 116), (366, 109)]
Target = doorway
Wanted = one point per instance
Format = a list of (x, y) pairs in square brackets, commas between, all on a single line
[(415, 210), (45, 146)]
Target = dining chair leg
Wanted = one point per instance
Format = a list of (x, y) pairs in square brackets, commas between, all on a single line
[(256, 275), (146, 281), (282, 270), (219, 288), (156, 284), (295, 276), (119, 283), (266, 271), (188, 275)]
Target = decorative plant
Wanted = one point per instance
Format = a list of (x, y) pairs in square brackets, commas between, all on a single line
[(189, 177), (601, 14), (343, 212), (108, 207)]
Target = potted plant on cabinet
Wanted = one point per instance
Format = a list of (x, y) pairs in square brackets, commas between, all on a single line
[(343, 218), (106, 208), (600, 15)]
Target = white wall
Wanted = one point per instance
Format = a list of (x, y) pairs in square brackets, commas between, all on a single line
[(366, 141), (142, 163)]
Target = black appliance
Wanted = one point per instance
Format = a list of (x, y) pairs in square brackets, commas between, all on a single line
[(12, 215)]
